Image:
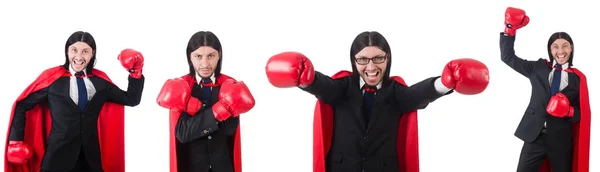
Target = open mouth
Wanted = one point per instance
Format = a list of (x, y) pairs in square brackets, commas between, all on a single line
[(372, 75), (76, 62), (561, 56)]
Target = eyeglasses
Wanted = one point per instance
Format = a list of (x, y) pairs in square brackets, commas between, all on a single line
[(376, 60)]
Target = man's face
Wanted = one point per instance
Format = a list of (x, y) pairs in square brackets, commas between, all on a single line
[(80, 54), (204, 60), (561, 51), (371, 64)]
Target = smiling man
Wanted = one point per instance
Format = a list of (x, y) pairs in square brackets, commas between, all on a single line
[(71, 118), (365, 119), (204, 111), (556, 125)]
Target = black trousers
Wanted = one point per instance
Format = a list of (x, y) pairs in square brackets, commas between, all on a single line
[(533, 154), (80, 166)]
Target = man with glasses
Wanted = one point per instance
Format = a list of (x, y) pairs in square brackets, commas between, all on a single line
[(365, 120)]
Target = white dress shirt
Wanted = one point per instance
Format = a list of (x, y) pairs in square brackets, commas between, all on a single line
[(74, 91), (564, 78), (199, 80)]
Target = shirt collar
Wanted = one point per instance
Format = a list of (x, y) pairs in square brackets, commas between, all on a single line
[(199, 79), (362, 83), (564, 66), (73, 71)]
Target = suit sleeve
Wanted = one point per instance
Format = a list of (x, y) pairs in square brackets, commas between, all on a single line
[(131, 97), (17, 129), (325, 88), (194, 127), (419, 95), (507, 53), (572, 93), (230, 125)]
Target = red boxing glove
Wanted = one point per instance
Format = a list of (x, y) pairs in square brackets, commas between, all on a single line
[(234, 99), (18, 152), (514, 19), (133, 61), (559, 106), (466, 76), (176, 94), (290, 69)]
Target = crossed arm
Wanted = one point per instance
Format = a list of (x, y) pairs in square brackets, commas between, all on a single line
[(203, 123)]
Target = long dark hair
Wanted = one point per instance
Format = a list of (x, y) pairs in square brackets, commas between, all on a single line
[(560, 35), (81, 36), (365, 39), (204, 38)]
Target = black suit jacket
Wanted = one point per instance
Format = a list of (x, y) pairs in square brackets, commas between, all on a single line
[(203, 143), (73, 129), (371, 147), (559, 130)]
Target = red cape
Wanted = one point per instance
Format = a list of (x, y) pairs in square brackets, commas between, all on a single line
[(174, 117), (38, 124), (408, 134), (581, 130)]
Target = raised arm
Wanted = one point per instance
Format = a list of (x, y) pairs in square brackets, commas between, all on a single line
[(131, 97), (514, 19), (292, 69), (507, 52), (133, 61)]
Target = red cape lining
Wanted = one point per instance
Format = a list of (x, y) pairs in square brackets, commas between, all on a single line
[(174, 117), (408, 134), (581, 129), (38, 124)]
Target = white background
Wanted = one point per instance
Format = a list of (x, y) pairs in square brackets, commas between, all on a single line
[(457, 133)]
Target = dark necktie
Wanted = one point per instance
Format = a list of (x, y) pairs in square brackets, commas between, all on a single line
[(81, 90), (555, 86), (368, 98), (206, 91)]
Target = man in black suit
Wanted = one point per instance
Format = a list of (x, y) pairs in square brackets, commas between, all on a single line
[(205, 105), (546, 127), (83, 104), (366, 133)]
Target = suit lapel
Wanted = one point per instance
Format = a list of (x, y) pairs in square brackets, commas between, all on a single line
[(356, 94), (98, 85), (542, 77)]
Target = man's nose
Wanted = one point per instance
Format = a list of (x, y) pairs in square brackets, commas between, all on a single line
[(204, 62), (370, 65), (561, 50), (78, 56)]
